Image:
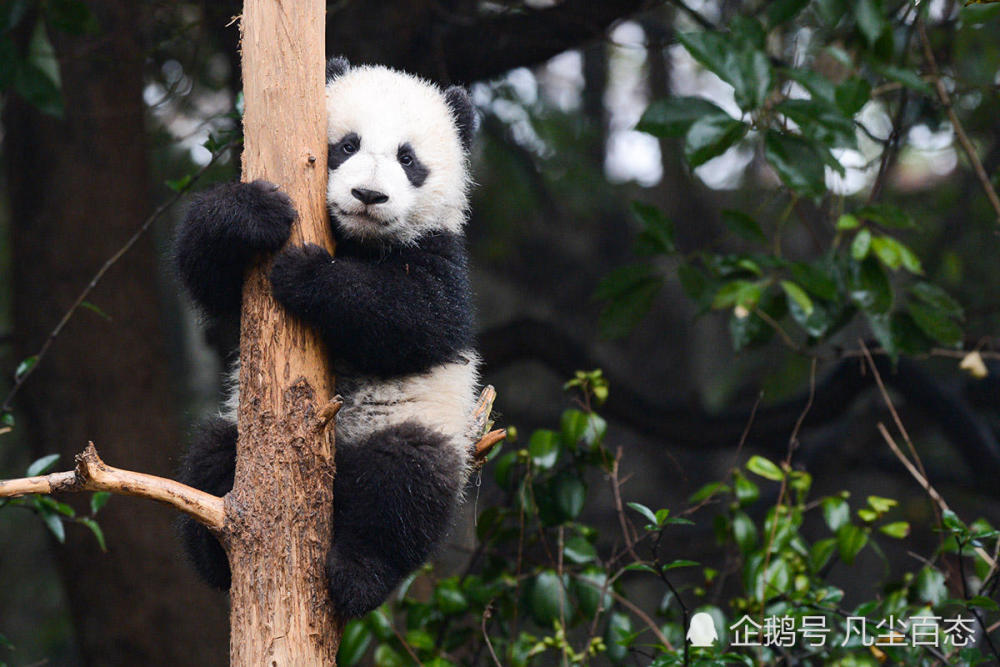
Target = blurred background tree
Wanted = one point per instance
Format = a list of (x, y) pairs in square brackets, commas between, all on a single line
[(806, 177)]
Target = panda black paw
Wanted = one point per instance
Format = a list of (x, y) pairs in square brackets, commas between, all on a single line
[(268, 214), (293, 274)]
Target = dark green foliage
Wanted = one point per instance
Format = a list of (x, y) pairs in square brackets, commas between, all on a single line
[(543, 586)]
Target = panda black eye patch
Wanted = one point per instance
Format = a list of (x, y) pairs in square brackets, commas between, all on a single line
[(415, 170), (340, 152)]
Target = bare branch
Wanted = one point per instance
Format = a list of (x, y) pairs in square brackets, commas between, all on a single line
[(92, 474), (963, 138)]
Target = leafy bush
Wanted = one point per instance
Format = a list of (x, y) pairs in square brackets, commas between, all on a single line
[(543, 585)]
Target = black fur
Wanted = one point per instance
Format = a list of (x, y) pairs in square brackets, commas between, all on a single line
[(335, 67), (208, 466), (415, 170), (464, 113), (338, 155), (393, 498), (384, 311), (225, 229)]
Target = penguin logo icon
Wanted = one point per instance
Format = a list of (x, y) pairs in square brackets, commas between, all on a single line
[(702, 630)]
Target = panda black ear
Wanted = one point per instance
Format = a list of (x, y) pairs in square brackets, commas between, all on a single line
[(464, 112), (335, 67)]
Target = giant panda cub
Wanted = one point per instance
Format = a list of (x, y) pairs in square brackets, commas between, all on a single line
[(393, 308)]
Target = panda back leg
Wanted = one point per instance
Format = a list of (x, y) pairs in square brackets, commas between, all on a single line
[(209, 466), (395, 492)]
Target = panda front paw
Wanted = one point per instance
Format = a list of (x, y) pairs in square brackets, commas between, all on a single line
[(293, 276), (268, 214)]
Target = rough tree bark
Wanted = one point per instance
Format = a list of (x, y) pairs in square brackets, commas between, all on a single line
[(279, 513)]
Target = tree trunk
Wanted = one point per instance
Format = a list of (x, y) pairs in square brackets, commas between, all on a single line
[(79, 186), (279, 513)]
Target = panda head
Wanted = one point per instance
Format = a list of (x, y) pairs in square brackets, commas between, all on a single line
[(398, 154)]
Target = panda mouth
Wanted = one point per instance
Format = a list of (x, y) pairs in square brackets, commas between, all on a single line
[(361, 217)]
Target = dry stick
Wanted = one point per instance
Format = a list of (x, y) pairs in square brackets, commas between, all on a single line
[(963, 138), (92, 474), (487, 613), (926, 486), (143, 228)]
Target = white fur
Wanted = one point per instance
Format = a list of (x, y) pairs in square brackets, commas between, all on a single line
[(387, 109)]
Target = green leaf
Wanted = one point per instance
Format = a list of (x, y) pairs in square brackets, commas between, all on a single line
[(743, 65), (930, 586), (710, 137), (56, 506), (870, 288), (836, 512), (743, 225), (674, 116), (935, 323), (55, 524), (820, 88), (937, 298), (579, 550), (707, 491), (744, 531), (98, 501), (796, 295), (25, 367), (894, 254), (850, 541), (896, 529), (868, 14), (544, 448), (746, 492), (887, 215), (570, 495), (181, 184), (617, 635), (449, 598), (815, 280), (880, 504), (847, 222), (657, 235), (34, 85), (645, 512), (386, 656), (782, 11), (765, 468), (820, 553), (737, 293), (797, 162), (852, 94), (629, 292), (588, 587), (983, 602), (673, 565), (546, 598), (907, 77), (699, 287), (861, 245), (353, 643), (96, 530), (821, 122), (42, 465)]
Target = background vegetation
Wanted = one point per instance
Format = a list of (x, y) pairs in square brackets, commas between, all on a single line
[(725, 206)]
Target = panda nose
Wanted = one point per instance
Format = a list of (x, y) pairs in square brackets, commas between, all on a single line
[(369, 196)]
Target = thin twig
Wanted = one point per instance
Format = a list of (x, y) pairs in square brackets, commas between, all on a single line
[(926, 485), (143, 228), (92, 474), (963, 138), (486, 615)]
